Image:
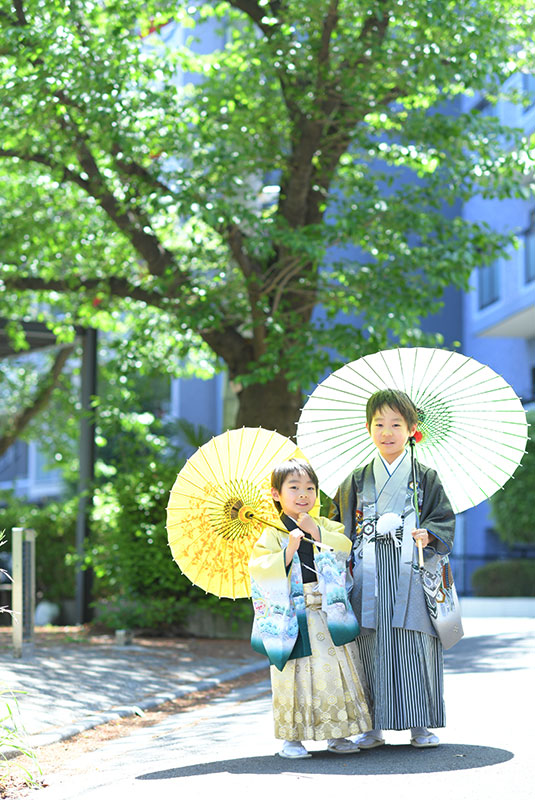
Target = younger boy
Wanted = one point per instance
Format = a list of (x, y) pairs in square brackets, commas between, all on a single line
[(304, 622), (400, 652)]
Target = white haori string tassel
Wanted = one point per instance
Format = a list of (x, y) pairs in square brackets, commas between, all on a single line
[(388, 524)]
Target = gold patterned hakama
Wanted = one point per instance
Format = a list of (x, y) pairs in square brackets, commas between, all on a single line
[(321, 696)]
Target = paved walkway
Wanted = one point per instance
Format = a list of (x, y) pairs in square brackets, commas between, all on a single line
[(70, 683), (227, 747)]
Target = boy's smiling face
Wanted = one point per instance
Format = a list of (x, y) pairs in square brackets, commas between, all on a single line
[(390, 432), (297, 494)]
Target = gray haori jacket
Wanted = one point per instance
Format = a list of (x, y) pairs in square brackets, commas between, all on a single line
[(358, 505)]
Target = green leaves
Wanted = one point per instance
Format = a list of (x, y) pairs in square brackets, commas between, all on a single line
[(512, 509), (225, 175)]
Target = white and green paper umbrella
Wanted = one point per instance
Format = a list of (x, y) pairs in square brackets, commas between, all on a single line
[(473, 425)]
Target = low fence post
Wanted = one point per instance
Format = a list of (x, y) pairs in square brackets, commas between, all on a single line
[(23, 590)]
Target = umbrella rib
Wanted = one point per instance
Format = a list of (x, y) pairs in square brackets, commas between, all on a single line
[(470, 436), (356, 390), (453, 452), (350, 367), (339, 456), (458, 394), (451, 391), (202, 454), (191, 482), (355, 435), (351, 425), (215, 500), (381, 381), (344, 402), (258, 467)]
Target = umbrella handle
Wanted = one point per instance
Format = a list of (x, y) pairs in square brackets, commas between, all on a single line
[(420, 553), (249, 514), (415, 503)]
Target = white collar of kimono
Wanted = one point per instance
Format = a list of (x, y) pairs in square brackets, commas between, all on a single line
[(390, 468)]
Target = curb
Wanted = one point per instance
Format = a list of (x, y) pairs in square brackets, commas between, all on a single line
[(497, 606), (120, 712)]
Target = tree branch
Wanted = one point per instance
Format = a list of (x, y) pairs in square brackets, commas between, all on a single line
[(117, 287), (45, 161), (329, 25), (134, 169), (46, 386), (19, 11), (254, 12), (232, 347), (236, 239), (132, 222), (252, 273)]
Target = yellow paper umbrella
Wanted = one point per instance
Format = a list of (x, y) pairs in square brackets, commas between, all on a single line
[(219, 505)]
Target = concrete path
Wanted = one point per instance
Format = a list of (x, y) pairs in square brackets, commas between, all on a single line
[(227, 749), (64, 689)]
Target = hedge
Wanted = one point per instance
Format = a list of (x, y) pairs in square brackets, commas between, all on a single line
[(505, 579)]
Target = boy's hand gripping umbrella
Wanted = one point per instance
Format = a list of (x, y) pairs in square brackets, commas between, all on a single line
[(219, 505)]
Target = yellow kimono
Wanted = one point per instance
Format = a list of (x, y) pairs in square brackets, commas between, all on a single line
[(308, 631)]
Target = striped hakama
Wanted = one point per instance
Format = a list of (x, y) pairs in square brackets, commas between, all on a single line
[(403, 668)]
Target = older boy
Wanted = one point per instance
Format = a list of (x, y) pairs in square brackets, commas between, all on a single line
[(401, 654)]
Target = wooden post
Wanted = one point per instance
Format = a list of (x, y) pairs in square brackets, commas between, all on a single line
[(23, 590)]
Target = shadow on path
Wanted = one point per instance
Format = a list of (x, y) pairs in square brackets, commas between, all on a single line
[(387, 760), (508, 651)]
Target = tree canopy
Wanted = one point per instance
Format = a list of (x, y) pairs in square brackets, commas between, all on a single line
[(277, 192)]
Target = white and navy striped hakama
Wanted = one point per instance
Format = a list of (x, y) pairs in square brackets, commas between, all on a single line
[(403, 668)]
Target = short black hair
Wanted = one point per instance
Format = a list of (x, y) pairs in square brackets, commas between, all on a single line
[(393, 398), (285, 468)]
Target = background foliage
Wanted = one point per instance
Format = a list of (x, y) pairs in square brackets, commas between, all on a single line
[(505, 579), (55, 525), (512, 508), (275, 195), (136, 583), (278, 192)]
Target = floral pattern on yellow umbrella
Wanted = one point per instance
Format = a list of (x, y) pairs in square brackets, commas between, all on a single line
[(219, 505)]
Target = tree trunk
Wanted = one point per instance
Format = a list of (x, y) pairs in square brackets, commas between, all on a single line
[(270, 405)]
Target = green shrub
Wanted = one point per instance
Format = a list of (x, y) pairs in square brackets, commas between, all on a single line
[(513, 508), (137, 583), (505, 579), (129, 553), (160, 614), (55, 527), (12, 735)]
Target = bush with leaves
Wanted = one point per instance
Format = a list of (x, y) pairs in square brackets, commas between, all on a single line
[(55, 526), (514, 578), (137, 583), (12, 736), (513, 509)]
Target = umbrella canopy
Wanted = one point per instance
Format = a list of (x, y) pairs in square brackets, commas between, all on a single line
[(473, 425), (219, 505)]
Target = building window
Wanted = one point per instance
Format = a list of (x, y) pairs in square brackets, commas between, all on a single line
[(488, 285), (529, 250), (528, 89)]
